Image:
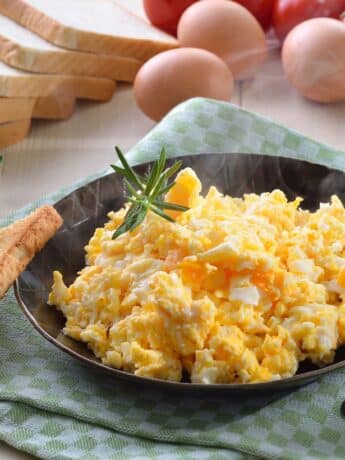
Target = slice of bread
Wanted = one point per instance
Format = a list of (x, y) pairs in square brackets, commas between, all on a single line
[(16, 108), (58, 107), (98, 26), (22, 240), (13, 132), (16, 83), (21, 48)]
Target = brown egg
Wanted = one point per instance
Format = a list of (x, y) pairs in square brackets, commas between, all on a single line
[(228, 30), (177, 75), (314, 59)]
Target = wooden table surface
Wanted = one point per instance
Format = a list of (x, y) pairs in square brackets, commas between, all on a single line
[(59, 153)]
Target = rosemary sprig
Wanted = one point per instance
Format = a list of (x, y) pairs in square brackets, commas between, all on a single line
[(146, 193)]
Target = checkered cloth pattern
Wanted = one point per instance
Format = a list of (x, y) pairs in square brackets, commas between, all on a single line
[(54, 407)]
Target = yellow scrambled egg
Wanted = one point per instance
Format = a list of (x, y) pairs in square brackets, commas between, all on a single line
[(236, 290)]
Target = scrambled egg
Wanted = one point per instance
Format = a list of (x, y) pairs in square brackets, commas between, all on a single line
[(235, 291)]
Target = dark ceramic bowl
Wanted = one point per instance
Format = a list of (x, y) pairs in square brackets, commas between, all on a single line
[(86, 208)]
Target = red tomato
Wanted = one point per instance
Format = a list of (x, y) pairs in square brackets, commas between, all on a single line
[(261, 9), (288, 13), (165, 14)]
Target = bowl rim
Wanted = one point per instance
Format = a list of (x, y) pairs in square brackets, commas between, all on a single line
[(278, 384)]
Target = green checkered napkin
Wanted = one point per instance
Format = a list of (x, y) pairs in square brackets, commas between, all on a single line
[(53, 406)]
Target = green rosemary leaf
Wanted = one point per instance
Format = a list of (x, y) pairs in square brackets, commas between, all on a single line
[(153, 175), (164, 177), (162, 160), (124, 174), (166, 189), (138, 217), (146, 193), (128, 169), (130, 188), (118, 169), (133, 218), (120, 231), (171, 206), (157, 170), (162, 214)]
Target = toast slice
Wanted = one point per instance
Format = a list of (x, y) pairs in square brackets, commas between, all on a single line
[(16, 108), (98, 26), (54, 107), (13, 132), (50, 108), (21, 48), (22, 240), (16, 83)]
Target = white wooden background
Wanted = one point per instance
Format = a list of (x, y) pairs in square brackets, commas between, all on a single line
[(59, 153)]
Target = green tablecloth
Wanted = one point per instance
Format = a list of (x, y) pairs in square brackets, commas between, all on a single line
[(54, 407)]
